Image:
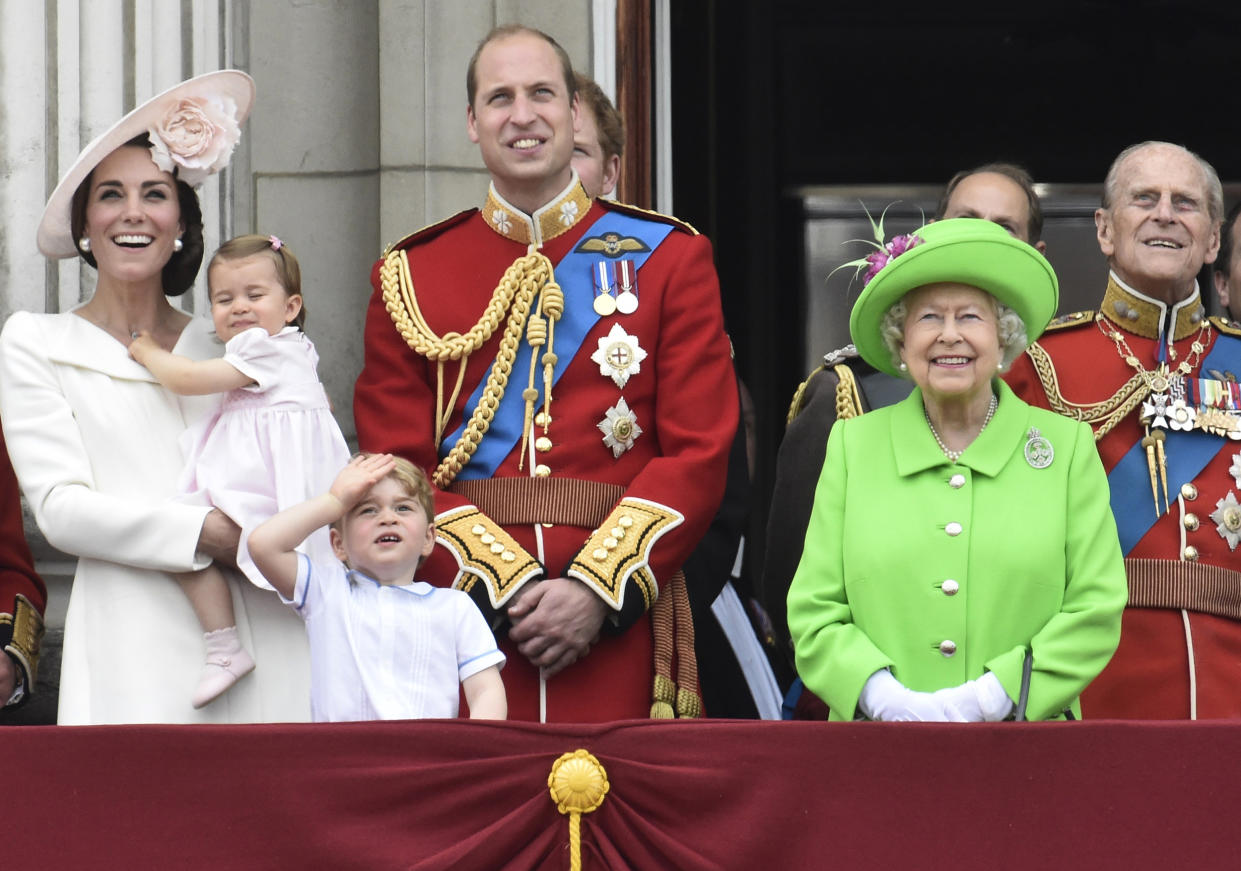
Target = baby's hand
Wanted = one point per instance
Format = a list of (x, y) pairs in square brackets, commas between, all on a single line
[(357, 478), (141, 345)]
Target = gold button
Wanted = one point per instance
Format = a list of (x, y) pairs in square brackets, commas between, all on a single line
[(610, 543), (618, 532), (508, 556), (1191, 522), (600, 554), (543, 444), (478, 529), (547, 525), (487, 538), (542, 471), (542, 418), (625, 521), (1191, 554), (497, 548), (1189, 491)]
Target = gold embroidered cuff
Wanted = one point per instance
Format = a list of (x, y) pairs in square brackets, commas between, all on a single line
[(20, 634), (485, 552), (619, 550)]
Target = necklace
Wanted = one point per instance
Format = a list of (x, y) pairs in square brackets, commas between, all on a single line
[(956, 455), (1163, 401)]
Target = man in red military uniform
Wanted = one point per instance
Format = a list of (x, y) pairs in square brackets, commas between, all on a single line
[(1157, 380), (560, 365), (23, 595)]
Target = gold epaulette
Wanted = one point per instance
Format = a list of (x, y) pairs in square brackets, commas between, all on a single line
[(429, 232), (639, 212), (848, 396), (1225, 326), (20, 635), (1073, 319), (485, 552), (620, 549), (799, 395)]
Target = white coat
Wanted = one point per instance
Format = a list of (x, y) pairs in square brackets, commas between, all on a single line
[(94, 441)]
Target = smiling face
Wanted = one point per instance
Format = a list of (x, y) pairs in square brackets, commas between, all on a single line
[(132, 216), (247, 293), (1157, 231), (952, 342), (386, 535), (523, 119)]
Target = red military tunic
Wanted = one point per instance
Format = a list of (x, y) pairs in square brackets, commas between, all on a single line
[(666, 482), (23, 595), (1180, 646)]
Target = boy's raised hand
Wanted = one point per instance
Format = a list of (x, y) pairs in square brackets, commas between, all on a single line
[(359, 476)]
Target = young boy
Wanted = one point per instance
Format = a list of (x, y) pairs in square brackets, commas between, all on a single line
[(382, 646)]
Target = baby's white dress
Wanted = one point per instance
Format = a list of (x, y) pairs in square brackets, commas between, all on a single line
[(271, 444)]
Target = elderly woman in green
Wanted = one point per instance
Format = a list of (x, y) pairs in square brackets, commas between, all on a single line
[(961, 562)]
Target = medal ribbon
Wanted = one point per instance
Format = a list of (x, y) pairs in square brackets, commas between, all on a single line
[(1188, 454), (574, 273)]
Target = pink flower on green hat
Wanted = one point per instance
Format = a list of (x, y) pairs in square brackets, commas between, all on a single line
[(895, 247)]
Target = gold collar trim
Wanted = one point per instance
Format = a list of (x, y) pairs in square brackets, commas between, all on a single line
[(1141, 315), (558, 216)]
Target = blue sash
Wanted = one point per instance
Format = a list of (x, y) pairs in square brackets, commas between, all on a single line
[(573, 273), (1187, 453)]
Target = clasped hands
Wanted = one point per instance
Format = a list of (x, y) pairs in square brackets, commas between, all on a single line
[(555, 622), (982, 700)]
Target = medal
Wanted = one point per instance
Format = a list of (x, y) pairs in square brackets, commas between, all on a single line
[(627, 280), (619, 356), (604, 276), (1039, 452)]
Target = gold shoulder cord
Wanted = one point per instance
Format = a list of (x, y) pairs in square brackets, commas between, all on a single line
[(848, 397), (1102, 416), (514, 294)]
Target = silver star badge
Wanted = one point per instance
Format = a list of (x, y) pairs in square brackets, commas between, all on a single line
[(1235, 469), (619, 427), (1227, 517), (619, 355)]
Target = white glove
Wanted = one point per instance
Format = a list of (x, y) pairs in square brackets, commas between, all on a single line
[(976, 701), (886, 698)]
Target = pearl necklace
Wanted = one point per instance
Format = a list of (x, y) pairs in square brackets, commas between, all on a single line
[(956, 455)]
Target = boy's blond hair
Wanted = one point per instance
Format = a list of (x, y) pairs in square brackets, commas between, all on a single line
[(414, 481)]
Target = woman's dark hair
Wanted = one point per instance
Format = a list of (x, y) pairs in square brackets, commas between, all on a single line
[(182, 268)]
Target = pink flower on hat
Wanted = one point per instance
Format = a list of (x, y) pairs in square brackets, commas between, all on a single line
[(197, 135), (880, 258)]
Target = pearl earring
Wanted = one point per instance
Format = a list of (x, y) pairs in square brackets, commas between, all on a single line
[(903, 367), (177, 244), (84, 244)]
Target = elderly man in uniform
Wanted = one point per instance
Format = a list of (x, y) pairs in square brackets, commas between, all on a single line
[(23, 596), (1157, 380), (846, 386), (560, 366)]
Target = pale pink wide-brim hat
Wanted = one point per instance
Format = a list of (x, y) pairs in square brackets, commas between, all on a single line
[(193, 128)]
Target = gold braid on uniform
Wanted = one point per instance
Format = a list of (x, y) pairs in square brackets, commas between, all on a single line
[(848, 398), (1102, 416), (515, 294)]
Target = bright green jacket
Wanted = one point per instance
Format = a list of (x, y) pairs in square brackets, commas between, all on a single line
[(1036, 561)]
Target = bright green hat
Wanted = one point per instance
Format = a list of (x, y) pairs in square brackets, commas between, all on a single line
[(969, 251)]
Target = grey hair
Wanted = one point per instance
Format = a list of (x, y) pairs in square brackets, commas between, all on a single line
[(1009, 327), (1215, 191)]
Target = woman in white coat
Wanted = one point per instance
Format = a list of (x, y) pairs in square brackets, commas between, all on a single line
[(94, 437)]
